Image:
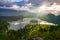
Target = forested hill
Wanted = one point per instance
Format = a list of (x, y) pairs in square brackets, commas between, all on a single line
[(51, 18)]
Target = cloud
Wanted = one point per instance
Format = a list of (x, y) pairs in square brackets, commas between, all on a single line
[(6, 0), (57, 1), (5, 3), (46, 6), (51, 8), (33, 2), (38, 2), (23, 2)]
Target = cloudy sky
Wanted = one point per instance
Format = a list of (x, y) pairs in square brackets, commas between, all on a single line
[(52, 6), (34, 2)]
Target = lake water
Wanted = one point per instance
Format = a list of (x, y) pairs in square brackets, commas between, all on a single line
[(20, 23)]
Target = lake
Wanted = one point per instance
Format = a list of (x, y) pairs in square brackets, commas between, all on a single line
[(21, 23)]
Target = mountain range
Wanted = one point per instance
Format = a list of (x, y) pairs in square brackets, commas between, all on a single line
[(11, 12), (51, 18), (46, 17)]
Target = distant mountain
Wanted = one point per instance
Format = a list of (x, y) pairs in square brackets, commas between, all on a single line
[(11, 12), (51, 18), (8, 12), (25, 14)]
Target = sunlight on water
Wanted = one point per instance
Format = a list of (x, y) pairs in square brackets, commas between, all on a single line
[(46, 23), (16, 23)]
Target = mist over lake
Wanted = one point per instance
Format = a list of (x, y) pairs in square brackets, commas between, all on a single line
[(18, 19)]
